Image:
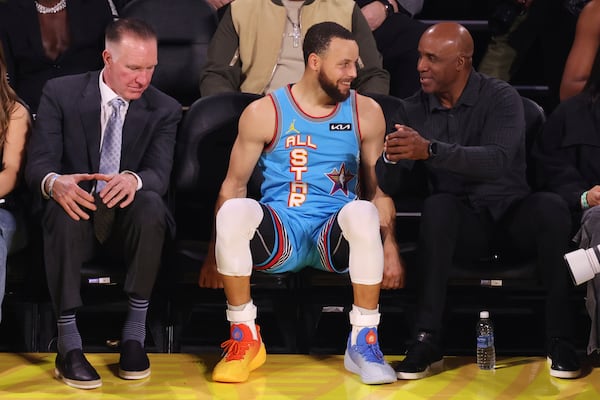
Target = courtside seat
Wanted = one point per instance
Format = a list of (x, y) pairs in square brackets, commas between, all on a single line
[(25, 293), (184, 29), (327, 296), (505, 269), (204, 143), (25, 284), (102, 283)]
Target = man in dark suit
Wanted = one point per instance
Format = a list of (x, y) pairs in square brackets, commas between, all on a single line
[(80, 120)]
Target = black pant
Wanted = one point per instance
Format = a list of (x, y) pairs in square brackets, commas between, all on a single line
[(538, 225), (136, 241)]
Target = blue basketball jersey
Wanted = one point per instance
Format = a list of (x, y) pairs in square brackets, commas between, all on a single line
[(311, 166)]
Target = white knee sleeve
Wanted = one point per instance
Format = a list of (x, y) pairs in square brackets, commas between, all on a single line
[(236, 223), (359, 221)]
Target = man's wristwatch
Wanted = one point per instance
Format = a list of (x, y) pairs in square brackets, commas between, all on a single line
[(389, 9), (432, 149)]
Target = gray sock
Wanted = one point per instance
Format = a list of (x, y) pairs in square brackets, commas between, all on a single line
[(135, 325), (68, 334)]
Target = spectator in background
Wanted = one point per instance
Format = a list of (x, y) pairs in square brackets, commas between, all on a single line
[(568, 156), (585, 47), (397, 35), (49, 38), (546, 28), (467, 131), (219, 6), (498, 60), (15, 124), (257, 47)]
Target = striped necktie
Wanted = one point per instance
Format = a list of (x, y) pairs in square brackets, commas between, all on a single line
[(110, 161), (110, 153)]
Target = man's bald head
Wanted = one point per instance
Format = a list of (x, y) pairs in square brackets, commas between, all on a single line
[(445, 60), (451, 35)]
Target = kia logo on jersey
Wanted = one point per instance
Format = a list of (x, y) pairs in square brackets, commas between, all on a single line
[(340, 127)]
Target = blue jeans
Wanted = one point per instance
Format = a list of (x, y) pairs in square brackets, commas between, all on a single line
[(8, 225)]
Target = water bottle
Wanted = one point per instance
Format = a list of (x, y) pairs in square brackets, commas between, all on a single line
[(486, 352)]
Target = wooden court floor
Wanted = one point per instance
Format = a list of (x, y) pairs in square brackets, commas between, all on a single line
[(187, 376)]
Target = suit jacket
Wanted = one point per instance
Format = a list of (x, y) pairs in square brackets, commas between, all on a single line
[(28, 66), (66, 136)]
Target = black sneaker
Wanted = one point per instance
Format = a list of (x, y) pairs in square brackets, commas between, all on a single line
[(423, 358), (563, 359)]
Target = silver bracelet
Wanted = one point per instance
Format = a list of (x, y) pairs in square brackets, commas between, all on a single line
[(51, 184)]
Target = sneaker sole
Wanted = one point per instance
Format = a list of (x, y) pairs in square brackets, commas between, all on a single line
[(432, 369), (352, 367), (256, 362), (562, 374), (77, 384), (260, 358), (134, 375)]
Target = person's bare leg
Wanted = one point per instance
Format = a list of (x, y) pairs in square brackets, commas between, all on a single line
[(366, 296)]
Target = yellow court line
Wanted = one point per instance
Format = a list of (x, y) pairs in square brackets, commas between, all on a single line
[(294, 377)]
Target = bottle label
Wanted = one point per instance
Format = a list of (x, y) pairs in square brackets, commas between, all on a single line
[(484, 341)]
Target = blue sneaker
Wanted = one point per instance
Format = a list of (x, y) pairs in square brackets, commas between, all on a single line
[(365, 359)]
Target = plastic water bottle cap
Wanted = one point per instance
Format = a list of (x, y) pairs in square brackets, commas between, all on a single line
[(484, 314)]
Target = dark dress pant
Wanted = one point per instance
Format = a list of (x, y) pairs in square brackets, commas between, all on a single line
[(538, 225), (136, 242)]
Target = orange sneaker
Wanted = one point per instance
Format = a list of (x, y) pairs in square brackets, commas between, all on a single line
[(242, 354)]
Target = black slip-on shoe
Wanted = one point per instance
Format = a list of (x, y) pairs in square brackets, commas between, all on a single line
[(134, 362), (75, 370)]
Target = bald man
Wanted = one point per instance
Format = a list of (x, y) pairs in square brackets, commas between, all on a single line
[(467, 132)]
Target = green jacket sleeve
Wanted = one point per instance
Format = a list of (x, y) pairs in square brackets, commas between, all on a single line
[(222, 71), (371, 77)]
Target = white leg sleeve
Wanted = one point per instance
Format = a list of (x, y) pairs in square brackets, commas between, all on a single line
[(359, 221), (236, 223)]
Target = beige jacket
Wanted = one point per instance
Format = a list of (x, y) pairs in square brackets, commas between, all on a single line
[(244, 51)]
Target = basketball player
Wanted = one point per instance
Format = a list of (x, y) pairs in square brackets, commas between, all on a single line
[(312, 141)]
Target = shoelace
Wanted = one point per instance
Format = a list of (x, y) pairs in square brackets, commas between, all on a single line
[(235, 349), (370, 352)]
